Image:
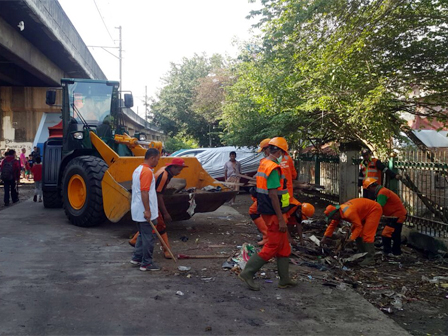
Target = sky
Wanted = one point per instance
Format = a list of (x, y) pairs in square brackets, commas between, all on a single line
[(156, 33)]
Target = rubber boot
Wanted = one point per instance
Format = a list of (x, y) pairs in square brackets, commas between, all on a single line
[(283, 272), (259, 222), (387, 242), (167, 255), (359, 245), (396, 238), (133, 241), (247, 275), (370, 256)]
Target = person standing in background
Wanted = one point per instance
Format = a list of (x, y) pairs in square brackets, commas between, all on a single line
[(37, 173), (23, 161), (232, 169), (10, 174)]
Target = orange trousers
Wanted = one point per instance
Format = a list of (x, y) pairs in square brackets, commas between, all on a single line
[(253, 208), (370, 226), (389, 230), (161, 225), (278, 243)]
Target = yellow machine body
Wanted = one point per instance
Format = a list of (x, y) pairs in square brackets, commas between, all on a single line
[(117, 181)]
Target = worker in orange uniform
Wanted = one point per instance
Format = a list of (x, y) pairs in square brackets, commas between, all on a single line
[(253, 213), (273, 203), (295, 212), (364, 215), (392, 207), (162, 177), (373, 168)]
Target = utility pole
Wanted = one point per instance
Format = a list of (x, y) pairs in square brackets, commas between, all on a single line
[(146, 107), (120, 57)]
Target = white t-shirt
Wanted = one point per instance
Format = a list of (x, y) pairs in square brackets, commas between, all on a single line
[(143, 180)]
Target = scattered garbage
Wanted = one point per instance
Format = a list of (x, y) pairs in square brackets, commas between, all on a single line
[(397, 303), (229, 264), (208, 328), (268, 281), (207, 279), (387, 310), (184, 268), (314, 239), (342, 286), (434, 280), (212, 188), (354, 257), (246, 251), (179, 293), (184, 238)]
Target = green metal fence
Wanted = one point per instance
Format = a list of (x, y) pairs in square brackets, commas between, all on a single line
[(424, 192), (321, 170)]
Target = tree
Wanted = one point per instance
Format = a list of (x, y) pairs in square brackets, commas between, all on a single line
[(176, 143), (187, 104), (346, 69)]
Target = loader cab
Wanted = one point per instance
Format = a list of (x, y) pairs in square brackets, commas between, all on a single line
[(88, 105)]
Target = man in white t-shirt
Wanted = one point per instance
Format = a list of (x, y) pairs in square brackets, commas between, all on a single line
[(144, 208)]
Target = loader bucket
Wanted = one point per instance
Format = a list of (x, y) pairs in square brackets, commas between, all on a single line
[(117, 182)]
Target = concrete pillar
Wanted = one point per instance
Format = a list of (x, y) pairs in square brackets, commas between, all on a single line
[(21, 109), (348, 172)]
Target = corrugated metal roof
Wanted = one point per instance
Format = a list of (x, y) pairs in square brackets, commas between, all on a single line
[(433, 138)]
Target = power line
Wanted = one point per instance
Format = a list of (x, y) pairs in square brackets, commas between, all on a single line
[(102, 19)]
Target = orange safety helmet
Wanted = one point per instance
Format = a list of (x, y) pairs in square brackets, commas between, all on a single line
[(308, 210), (263, 144), (330, 211), (280, 143), (368, 182)]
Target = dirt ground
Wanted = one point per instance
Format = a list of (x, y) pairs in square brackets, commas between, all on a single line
[(406, 289), (323, 303)]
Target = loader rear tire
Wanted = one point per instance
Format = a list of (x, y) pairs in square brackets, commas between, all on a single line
[(52, 199), (82, 192)]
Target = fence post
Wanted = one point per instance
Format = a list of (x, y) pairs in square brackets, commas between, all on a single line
[(348, 172), (393, 183), (317, 170)]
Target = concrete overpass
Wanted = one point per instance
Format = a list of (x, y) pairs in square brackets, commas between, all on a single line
[(31, 60), (46, 50)]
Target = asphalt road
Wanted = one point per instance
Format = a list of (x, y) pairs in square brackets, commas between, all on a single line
[(58, 279)]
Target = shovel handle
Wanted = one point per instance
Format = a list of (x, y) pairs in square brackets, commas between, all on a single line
[(162, 241)]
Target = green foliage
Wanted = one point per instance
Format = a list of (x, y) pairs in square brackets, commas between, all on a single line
[(189, 102), (340, 70), (177, 142)]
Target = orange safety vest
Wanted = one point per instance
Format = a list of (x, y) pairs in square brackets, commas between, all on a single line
[(370, 170), (264, 205), (164, 180), (290, 173)]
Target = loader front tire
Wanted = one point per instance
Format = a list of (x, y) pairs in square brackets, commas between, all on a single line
[(52, 199), (82, 192)]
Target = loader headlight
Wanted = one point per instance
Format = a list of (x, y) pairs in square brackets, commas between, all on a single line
[(78, 135), (142, 137)]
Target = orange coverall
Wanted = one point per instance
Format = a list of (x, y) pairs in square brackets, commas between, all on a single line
[(290, 173), (363, 214), (393, 207)]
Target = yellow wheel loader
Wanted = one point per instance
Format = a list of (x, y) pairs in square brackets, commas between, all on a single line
[(89, 159)]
